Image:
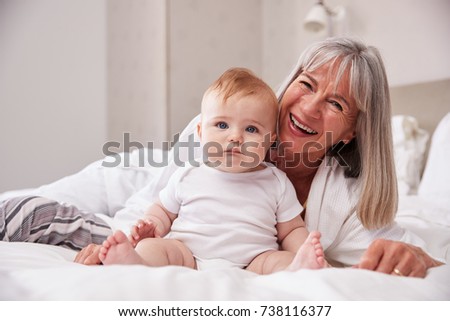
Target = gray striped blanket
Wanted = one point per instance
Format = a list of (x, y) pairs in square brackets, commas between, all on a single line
[(40, 220)]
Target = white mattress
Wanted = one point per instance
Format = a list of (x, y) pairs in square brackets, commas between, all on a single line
[(43, 272)]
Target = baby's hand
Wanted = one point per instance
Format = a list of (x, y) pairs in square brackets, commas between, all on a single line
[(141, 230)]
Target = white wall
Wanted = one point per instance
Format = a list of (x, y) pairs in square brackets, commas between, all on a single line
[(162, 55), (206, 38), (76, 73), (412, 36), (137, 71), (52, 89)]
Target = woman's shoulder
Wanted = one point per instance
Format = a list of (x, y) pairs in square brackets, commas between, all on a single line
[(332, 173), (333, 192), (332, 200)]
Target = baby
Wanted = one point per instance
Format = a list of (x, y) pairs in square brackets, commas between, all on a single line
[(233, 209)]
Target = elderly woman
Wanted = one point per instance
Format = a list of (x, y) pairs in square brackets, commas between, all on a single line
[(334, 144)]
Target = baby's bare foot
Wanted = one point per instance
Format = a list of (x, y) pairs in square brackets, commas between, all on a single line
[(309, 255), (117, 249)]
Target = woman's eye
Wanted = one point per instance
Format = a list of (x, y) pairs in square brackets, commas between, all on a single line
[(306, 84), (222, 125), (337, 105), (251, 129)]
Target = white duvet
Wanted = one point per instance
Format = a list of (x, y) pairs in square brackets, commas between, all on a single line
[(43, 272)]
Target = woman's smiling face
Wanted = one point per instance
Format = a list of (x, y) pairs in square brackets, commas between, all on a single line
[(315, 114)]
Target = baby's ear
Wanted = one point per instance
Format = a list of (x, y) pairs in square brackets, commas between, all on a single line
[(199, 129), (273, 137)]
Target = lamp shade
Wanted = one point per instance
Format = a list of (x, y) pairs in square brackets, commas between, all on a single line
[(317, 18)]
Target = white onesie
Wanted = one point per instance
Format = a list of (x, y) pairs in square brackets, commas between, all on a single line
[(228, 217)]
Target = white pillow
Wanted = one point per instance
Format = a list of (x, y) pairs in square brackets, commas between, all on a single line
[(410, 143), (436, 177)]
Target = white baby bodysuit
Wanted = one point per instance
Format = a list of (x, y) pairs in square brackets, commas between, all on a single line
[(230, 216)]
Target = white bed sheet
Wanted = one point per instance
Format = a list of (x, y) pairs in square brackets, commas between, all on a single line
[(43, 272)]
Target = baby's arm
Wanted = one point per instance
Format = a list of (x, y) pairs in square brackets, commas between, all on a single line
[(292, 234), (156, 223)]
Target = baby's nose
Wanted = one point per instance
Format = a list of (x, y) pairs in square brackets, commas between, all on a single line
[(235, 137)]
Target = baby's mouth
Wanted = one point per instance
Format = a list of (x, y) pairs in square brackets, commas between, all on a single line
[(303, 128), (233, 150)]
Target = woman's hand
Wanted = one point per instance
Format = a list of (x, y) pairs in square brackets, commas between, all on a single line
[(396, 258), (89, 255)]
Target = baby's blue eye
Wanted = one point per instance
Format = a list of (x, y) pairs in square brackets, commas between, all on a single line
[(251, 129), (222, 125)]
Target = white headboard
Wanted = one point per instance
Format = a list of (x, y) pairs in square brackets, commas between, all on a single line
[(427, 102)]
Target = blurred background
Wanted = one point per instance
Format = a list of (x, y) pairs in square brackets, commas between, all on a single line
[(75, 74)]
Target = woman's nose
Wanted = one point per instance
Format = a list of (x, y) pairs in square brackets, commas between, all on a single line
[(311, 107)]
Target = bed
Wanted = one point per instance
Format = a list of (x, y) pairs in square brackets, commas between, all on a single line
[(44, 272)]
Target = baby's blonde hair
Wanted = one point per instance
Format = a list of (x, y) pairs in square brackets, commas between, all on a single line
[(243, 82)]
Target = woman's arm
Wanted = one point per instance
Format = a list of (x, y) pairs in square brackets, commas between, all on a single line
[(187, 148), (391, 250), (89, 255), (156, 213), (398, 258)]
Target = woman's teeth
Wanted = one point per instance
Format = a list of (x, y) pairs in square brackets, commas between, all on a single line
[(303, 127)]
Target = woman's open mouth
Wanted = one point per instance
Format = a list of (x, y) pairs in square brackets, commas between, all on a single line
[(301, 127)]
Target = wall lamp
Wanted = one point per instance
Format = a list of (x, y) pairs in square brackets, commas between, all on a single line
[(322, 17)]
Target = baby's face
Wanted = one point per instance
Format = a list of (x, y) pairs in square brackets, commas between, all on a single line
[(237, 134)]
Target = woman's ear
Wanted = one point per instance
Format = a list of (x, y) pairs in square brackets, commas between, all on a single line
[(348, 138)]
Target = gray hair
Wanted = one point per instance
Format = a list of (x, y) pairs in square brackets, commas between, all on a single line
[(369, 155)]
